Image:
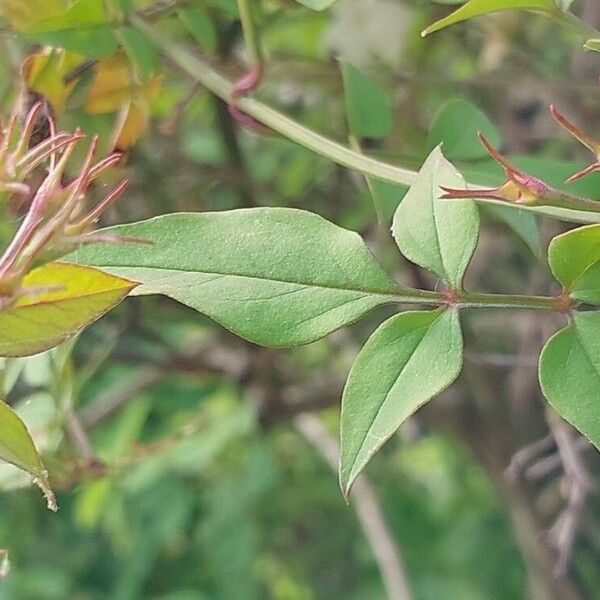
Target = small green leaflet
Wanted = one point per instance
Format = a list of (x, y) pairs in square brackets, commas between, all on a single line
[(574, 258), (18, 449), (570, 374), (407, 361), (476, 8), (368, 107), (275, 276), (440, 235)]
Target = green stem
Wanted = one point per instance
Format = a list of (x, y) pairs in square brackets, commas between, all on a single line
[(477, 300), (465, 300), (246, 9), (203, 73), (568, 201)]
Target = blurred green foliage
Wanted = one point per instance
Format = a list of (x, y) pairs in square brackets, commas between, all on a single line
[(204, 497)]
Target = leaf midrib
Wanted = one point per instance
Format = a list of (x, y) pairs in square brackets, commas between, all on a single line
[(391, 294)]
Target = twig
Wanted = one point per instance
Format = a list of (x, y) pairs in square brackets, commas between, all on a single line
[(527, 455), (564, 531), (495, 359), (109, 402), (547, 465), (368, 511)]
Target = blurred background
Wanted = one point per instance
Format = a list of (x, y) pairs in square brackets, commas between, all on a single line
[(191, 465)]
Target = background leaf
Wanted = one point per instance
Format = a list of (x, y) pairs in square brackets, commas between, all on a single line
[(276, 276), (406, 362), (570, 374), (456, 125), (439, 235), (200, 27), (368, 107), (18, 449), (75, 297)]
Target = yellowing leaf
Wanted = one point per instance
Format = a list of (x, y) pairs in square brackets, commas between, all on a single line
[(476, 8), (27, 15), (44, 73), (18, 449), (34, 16), (69, 298), (113, 85), (115, 88)]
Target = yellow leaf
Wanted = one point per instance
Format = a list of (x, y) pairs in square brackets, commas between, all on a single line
[(65, 298), (44, 73), (114, 85), (111, 86)]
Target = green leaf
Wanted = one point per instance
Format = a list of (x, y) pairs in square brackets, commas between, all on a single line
[(386, 197), (574, 258), (275, 276), (200, 27), (440, 235), (523, 223), (66, 299), (407, 361), (140, 51), (476, 8), (368, 107), (18, 449), (81, 26), (95, 42), (570, 374), (316, 4), (52, 15), (456, 125)]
